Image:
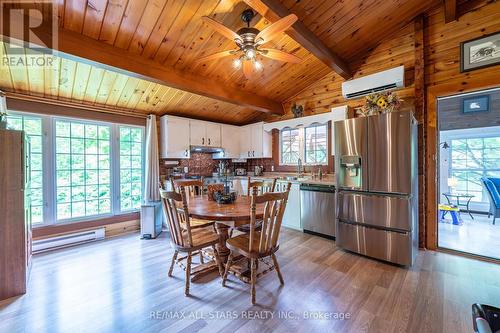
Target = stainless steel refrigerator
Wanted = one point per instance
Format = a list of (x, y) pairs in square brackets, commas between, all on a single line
[(377, 201)]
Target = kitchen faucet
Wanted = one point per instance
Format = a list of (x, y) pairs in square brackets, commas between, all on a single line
[(300, 169)]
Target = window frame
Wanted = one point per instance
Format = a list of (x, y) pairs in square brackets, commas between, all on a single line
[(483, 171), (49, 181), (302, 145), (315, 126), (143, 165)]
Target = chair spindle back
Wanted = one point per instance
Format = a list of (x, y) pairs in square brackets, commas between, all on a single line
[(176, 210), (275, 204)]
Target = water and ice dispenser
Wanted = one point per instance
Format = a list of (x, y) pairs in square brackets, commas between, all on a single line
[(350, 171)]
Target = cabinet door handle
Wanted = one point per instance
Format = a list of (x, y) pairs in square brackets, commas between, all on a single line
[(209, 141), (186, 153), (202, 141), (253, 153), (248, 153)]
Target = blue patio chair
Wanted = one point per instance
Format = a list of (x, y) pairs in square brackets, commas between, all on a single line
[(492, 186)]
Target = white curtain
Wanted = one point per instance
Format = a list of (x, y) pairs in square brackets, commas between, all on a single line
[(152, 172)]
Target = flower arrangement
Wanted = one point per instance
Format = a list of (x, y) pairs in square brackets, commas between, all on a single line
[(380, 103)]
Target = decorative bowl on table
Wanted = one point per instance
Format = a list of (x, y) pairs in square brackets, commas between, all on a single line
[(224, 198)]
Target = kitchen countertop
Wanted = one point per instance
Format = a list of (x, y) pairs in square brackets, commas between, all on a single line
[(328, 179)]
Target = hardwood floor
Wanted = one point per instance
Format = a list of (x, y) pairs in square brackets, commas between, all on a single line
[(121, 285), (478, 236)]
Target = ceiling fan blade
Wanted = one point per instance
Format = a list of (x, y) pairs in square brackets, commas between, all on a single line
[(280, 55), (276, 28), (248, 69), (216, 55), (222, 29)]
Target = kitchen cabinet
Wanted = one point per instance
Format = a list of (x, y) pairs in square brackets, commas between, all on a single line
[(15, 220), (230, 141), (256, 142), (203, 133), (213, 137), (197, 133), (174, 137), (291, 217), (245, 142)]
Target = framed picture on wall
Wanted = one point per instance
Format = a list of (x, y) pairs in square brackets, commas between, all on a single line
[(476, 104), (480, 52)]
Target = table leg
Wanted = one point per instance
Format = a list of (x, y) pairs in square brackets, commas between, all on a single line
[(223, 232), (468, 211)]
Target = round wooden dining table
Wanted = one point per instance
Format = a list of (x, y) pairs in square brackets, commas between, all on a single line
[(225, 215)]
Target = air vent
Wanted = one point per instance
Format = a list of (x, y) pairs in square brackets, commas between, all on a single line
[(371, 91), (390, 79)]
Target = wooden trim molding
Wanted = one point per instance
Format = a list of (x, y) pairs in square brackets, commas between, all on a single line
[(33, 104), (52, 230)]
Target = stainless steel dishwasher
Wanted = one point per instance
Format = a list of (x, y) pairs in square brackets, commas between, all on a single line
[(317, 209)]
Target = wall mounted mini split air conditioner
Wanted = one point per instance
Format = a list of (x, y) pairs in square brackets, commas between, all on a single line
[(378, 82)]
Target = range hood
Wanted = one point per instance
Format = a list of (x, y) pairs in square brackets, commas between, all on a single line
[(205, 149)]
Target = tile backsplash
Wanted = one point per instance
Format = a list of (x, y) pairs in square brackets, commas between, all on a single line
[(203, 164)]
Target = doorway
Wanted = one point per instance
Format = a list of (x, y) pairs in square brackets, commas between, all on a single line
[(469, 173)]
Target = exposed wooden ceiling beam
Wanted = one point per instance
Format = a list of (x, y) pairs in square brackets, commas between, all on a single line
[(450, 10), (87, 50), (273, 10)]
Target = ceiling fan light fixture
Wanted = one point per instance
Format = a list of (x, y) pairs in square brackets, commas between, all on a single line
[(237, 63), (257, 65), (250, 53)]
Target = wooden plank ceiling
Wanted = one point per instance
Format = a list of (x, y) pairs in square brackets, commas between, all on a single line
[(172, 33), (68, 80)]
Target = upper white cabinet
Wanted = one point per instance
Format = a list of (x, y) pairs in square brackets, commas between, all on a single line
[(213, 138), (174, 134), (178, 134), (197, 132), (256, 142), (205, 133), (230, 141)]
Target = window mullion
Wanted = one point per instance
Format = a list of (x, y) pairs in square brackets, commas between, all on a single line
[(49, 173), (115, 168)]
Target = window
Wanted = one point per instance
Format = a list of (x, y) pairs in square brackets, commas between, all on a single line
[(309, 144), (32, 126), (316, 151), (83, 182), (471, 159), (290, 147), (88, 168), (130, 167)]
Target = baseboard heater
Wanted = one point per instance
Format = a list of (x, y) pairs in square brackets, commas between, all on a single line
[(76, 238)]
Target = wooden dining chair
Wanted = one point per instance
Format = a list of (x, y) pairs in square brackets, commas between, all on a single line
[(262, 186), (193, 187), (257, 187), (257, 245), (184, 238)]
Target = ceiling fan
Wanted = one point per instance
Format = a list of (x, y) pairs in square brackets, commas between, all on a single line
[(249, 41)]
